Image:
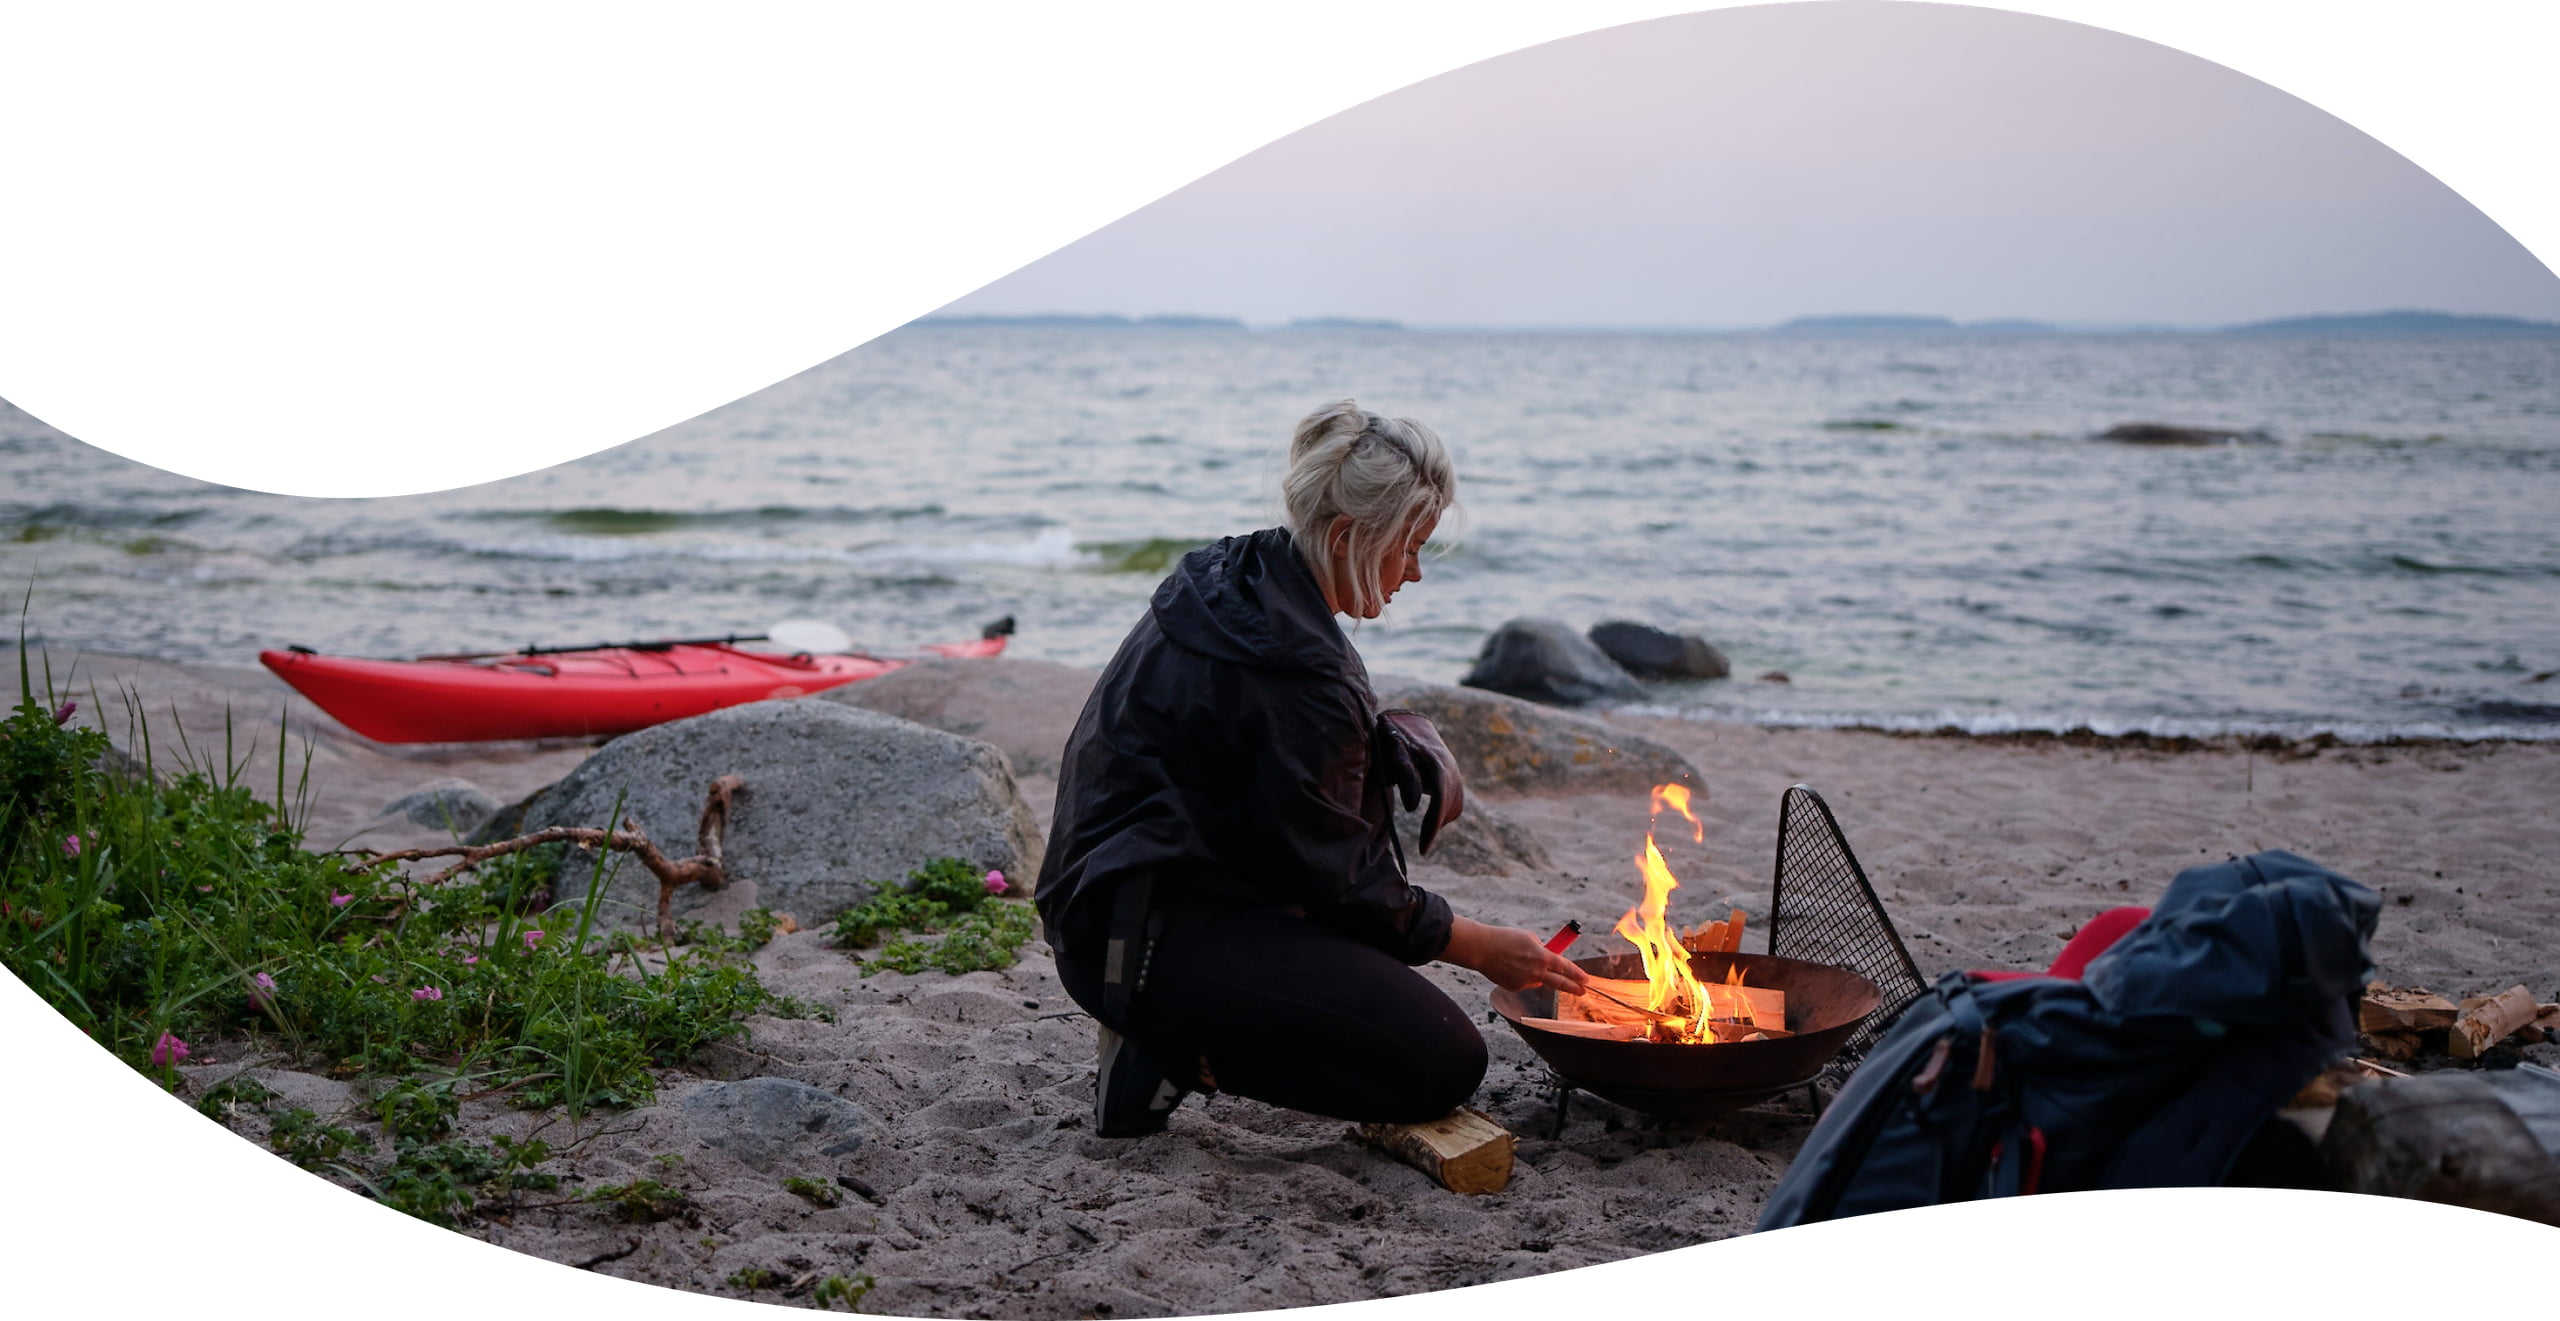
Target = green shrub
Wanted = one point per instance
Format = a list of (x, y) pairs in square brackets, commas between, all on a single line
[(816, 1192), (154, 914), (947, 899)]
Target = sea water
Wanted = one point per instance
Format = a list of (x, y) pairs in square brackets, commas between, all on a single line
[(1916, 531)]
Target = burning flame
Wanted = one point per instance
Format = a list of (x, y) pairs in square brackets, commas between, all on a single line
[(1671, 987)]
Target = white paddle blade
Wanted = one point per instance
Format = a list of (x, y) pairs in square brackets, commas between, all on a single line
[(815, 636)]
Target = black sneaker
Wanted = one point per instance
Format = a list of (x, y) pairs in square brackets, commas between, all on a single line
[(1131, 1096)]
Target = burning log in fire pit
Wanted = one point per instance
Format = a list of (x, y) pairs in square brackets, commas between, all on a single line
[(1673, 1030)]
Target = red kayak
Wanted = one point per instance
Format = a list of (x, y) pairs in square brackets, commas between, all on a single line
[(570, 693)]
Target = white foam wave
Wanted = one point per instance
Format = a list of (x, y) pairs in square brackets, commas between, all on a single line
[(2019, 722), (1051, 548)]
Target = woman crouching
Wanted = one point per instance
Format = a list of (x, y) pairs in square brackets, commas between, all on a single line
[(1223, 885)]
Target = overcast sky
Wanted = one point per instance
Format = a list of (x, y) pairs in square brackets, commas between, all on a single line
[(1747, 166)]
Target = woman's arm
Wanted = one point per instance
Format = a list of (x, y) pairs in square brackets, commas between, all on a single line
[(1320, 843), (1510, 957)]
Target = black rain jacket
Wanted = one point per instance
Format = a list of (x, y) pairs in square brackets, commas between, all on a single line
[(1226, 752)]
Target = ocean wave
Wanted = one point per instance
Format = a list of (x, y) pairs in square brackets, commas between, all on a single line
[(615, 520), (1979, 724)]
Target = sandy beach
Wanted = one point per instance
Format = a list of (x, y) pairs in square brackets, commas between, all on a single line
[(979, 1189)]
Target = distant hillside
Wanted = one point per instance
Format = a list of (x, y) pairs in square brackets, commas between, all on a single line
[(2400, 325), (1865, 325), (1343, 323), (1077, 321), (1906, 325)]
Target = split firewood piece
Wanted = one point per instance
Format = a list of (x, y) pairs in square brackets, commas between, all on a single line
[(2491, 1021), (2397, 1047), (1762, 1006), (1620, 1003), (1586, 1028), (1723, 937), (1463, 1150), (2403, 1009), (2325, 1089)]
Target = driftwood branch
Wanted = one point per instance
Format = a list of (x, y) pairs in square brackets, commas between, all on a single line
[(703, 869)]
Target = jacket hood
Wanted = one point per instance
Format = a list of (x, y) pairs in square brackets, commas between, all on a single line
[(1250, 600), (2254, 939)]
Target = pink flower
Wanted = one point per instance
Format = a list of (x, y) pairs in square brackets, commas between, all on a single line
[(71, 846), (262, 990), (341, 900), (167, 1050), (426, 993), (532, 938), (62, 714), (995, 882), (469, 959)]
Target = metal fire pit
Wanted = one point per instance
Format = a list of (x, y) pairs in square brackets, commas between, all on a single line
[(1824, 1005)]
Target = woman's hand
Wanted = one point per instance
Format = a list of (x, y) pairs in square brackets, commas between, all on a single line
[(1512, 958)]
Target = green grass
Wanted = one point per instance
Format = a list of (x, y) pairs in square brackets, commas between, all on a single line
[(153, 916)]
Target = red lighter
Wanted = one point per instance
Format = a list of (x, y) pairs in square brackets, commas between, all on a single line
[(1564, 936)]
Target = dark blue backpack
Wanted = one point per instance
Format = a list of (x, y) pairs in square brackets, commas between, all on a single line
[(2152, 1071)]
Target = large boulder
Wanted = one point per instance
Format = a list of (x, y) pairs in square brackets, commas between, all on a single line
[(1482, 842), (837, 800), (1024, 707), (1651, 653), (1544, 661), (1508, 746)]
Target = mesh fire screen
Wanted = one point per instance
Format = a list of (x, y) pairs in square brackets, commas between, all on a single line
[(1822, 909)]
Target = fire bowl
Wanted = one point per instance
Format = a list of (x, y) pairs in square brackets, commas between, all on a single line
[(1824, 1005)]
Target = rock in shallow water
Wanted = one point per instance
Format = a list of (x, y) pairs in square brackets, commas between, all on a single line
[(1651, 653), (1544, 661), (837, 799), (2160, 433)]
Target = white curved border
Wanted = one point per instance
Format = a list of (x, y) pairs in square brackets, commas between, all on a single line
[(334, 250), (127, 1200)]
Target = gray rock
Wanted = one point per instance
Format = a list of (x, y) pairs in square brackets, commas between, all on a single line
[(449, 803), (1024, 707), (1544, 661), (837, 800), (1505, 745), (2158, 433), (1483, 842), (1649, 652), (508, 821), (764, 1122), (117, 764)]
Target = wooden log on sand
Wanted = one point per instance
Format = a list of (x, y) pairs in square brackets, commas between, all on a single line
[(2488, 1021), (2442, 1137), (2403, 1009), (1463, 1150)]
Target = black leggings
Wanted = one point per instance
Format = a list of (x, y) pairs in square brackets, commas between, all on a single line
[(1291, 1012)]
